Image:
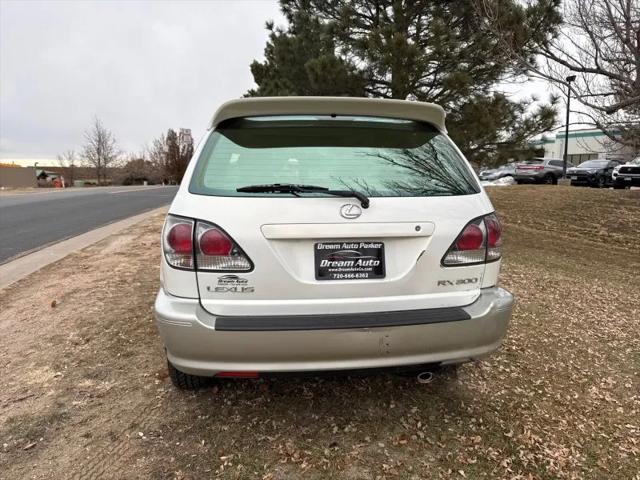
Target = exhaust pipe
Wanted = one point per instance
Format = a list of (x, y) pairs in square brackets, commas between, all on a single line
[(425, 377)]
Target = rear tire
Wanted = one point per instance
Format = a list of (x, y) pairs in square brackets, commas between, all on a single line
[(550, 180), (185, 381)]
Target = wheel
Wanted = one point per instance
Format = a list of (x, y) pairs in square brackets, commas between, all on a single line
[(184, 381), (549, 179), (601, 182)]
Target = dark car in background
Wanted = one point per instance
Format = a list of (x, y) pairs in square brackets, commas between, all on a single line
[(593, 173), (506, 170), (539, 170), (627, 175)]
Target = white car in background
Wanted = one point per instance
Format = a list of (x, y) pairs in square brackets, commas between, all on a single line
[(508, 170), (627, 175), (323, 234)]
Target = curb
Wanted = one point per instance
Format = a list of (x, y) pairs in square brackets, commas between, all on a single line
[(23, 266)]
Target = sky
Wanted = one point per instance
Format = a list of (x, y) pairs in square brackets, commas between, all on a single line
[(140, 66)]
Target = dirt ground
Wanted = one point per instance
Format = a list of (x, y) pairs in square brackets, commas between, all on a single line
[(84, 390)]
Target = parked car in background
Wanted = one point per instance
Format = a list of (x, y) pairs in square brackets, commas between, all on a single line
[(320, 234), (539, 170), (627, 175), (506, 170), (593, 173)]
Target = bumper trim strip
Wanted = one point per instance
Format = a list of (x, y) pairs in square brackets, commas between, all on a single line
[(340, 321)]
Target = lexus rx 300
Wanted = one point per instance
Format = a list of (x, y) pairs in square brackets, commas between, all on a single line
[(322, 234)]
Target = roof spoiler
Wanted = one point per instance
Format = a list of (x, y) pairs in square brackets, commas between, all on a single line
[(366, 107)]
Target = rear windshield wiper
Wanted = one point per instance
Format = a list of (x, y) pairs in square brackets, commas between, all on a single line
[(295, 189)]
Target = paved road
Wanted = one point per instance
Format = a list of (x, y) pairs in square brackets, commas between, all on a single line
[(29, 221)]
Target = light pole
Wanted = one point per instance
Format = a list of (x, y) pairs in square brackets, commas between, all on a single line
[(569, 79)]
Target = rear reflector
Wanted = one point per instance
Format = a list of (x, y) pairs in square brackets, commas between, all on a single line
[(177, 242), (480, 241), (237, 374)]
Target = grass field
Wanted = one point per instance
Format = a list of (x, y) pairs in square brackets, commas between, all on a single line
[(84, 391)]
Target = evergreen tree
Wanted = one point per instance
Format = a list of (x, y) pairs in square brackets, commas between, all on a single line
[(428, 50), (173, 161), (301, 61)]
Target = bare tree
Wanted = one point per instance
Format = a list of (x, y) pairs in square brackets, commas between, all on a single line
[(100, 149), (170, 154), (156, 154), (599, 43), (68, 160)]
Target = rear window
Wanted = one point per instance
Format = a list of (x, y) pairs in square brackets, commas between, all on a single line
[(594, 164), (378, 157)]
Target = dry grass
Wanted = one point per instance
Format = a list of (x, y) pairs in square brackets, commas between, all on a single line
[(84, 392)]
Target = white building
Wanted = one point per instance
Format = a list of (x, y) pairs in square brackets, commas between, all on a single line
[(583, 145), (184, 137)]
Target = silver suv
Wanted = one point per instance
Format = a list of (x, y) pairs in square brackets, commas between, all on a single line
[(316, 234), (540, 170)]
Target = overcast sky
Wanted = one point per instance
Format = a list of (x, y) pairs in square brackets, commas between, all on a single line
[(142, 67)]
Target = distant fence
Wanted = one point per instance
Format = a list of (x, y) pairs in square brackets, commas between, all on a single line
[(17, 177)]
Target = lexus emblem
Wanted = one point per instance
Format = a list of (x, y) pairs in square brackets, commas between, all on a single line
[(350, 211)]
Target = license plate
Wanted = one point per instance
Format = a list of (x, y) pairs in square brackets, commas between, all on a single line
[(361, 260), (627, 179), (574, 177)]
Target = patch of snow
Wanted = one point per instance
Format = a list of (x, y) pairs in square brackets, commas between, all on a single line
[(500, 182)]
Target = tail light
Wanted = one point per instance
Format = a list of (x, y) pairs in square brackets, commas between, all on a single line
[(177, 242), (216, 251), (193, 244), (530, 167), (494, 237), (480, 241)]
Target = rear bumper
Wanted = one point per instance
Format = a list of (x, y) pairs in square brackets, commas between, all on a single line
[(582, 179), (195, 346), (529, 177), (627, 180)]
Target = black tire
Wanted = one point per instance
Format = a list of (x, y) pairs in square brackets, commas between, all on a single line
[(618, 187), (601, 182), (519, 182), (184, 381), (550, 179)]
